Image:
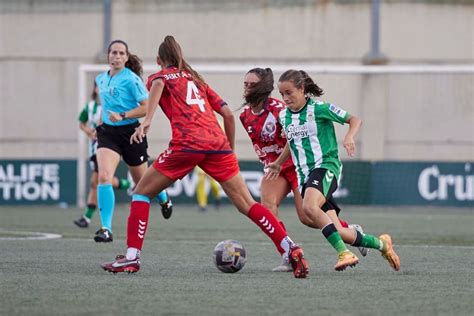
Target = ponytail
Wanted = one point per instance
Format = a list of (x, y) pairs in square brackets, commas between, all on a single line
[(135, 64), (171, 54), (302, 80)]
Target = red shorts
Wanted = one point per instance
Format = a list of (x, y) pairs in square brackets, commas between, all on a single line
[(177, 164), (289, 173)]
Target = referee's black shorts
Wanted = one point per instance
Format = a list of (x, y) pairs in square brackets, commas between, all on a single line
[(117, 138)]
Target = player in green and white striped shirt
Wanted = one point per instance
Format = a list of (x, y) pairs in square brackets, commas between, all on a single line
[(308, 125)]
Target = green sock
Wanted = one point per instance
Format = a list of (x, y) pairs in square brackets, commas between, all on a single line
[(334, 238), (370, 241), (90, 209), (124, 184)]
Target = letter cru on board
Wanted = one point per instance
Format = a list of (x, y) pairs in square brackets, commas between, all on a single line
[(433, 185)]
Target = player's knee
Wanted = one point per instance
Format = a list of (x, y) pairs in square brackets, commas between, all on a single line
[(307, 221), (105, 177)]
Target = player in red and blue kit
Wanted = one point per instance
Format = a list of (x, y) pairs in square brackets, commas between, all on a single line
[(197, 140), (260, 119)]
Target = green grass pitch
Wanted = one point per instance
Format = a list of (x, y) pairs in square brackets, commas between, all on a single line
[(63, 277)]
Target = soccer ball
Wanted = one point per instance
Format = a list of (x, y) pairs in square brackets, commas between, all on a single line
[(229, 256)]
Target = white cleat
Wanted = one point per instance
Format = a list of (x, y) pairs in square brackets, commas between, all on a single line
[(363, 251), (284, 266)]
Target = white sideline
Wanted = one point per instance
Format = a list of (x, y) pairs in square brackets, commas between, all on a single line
[(29, 235)]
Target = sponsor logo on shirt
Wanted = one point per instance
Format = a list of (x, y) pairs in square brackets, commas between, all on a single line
[(297, 131), (338, 111), (269, 128)]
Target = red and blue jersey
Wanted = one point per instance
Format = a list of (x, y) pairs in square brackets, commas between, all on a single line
[(265, 131), (190, 108)]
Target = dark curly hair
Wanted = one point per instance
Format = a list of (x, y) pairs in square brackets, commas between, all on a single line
[(262, 89)]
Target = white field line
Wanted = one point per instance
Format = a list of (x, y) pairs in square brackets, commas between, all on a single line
[(28, 235)]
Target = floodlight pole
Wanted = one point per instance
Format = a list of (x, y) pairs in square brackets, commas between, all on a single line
[(375, 57), (107, 24)]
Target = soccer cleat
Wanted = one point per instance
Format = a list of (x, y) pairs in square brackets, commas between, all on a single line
[(298, 262), (389, 253), (167, 209), (81, 222), (363, 251), (284, 266), (103, 235), (346, 259), (122, 264)]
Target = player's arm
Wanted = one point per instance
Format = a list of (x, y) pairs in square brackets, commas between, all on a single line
[(354, 126), (156, 91), (272, 170), (87, 130), (137, 112), (229, 124)]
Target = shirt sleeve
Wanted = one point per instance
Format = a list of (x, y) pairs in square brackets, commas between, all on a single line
[(214, 99), (84, 115), (333, 113), (138, 90)]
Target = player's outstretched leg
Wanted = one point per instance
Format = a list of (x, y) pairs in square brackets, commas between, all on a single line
[(271, 226)]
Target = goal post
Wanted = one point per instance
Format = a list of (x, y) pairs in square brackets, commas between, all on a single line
[(87, 72)]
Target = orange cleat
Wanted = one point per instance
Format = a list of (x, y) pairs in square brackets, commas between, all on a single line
[(389, 253), (298, 262), (346, 259)]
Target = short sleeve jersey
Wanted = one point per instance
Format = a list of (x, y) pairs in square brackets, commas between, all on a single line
[(190, 108), (90, 115), (120, 93), (311, 137), (265, 131)]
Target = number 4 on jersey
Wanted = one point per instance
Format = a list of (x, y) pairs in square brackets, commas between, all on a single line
[(193, 97)]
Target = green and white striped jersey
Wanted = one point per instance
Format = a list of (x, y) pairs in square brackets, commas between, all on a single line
[(90, 115), (311, 137)]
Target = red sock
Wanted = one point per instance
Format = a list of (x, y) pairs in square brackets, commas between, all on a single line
[(343, 223), (283, 226), (137, 224), (268, 223)]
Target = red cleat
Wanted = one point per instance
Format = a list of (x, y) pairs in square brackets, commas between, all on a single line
[(298, 262), (122, 264)]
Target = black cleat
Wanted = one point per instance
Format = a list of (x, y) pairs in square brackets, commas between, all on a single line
[(167, 209), (81, 222), (103, 235)]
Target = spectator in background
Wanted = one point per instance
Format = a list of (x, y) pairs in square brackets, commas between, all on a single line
[(89, 119), (201, 194)]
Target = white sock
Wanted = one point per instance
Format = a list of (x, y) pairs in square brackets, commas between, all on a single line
[(286, 243), (132, 253)]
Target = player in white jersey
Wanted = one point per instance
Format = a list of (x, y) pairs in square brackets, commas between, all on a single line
[(311, 140)]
